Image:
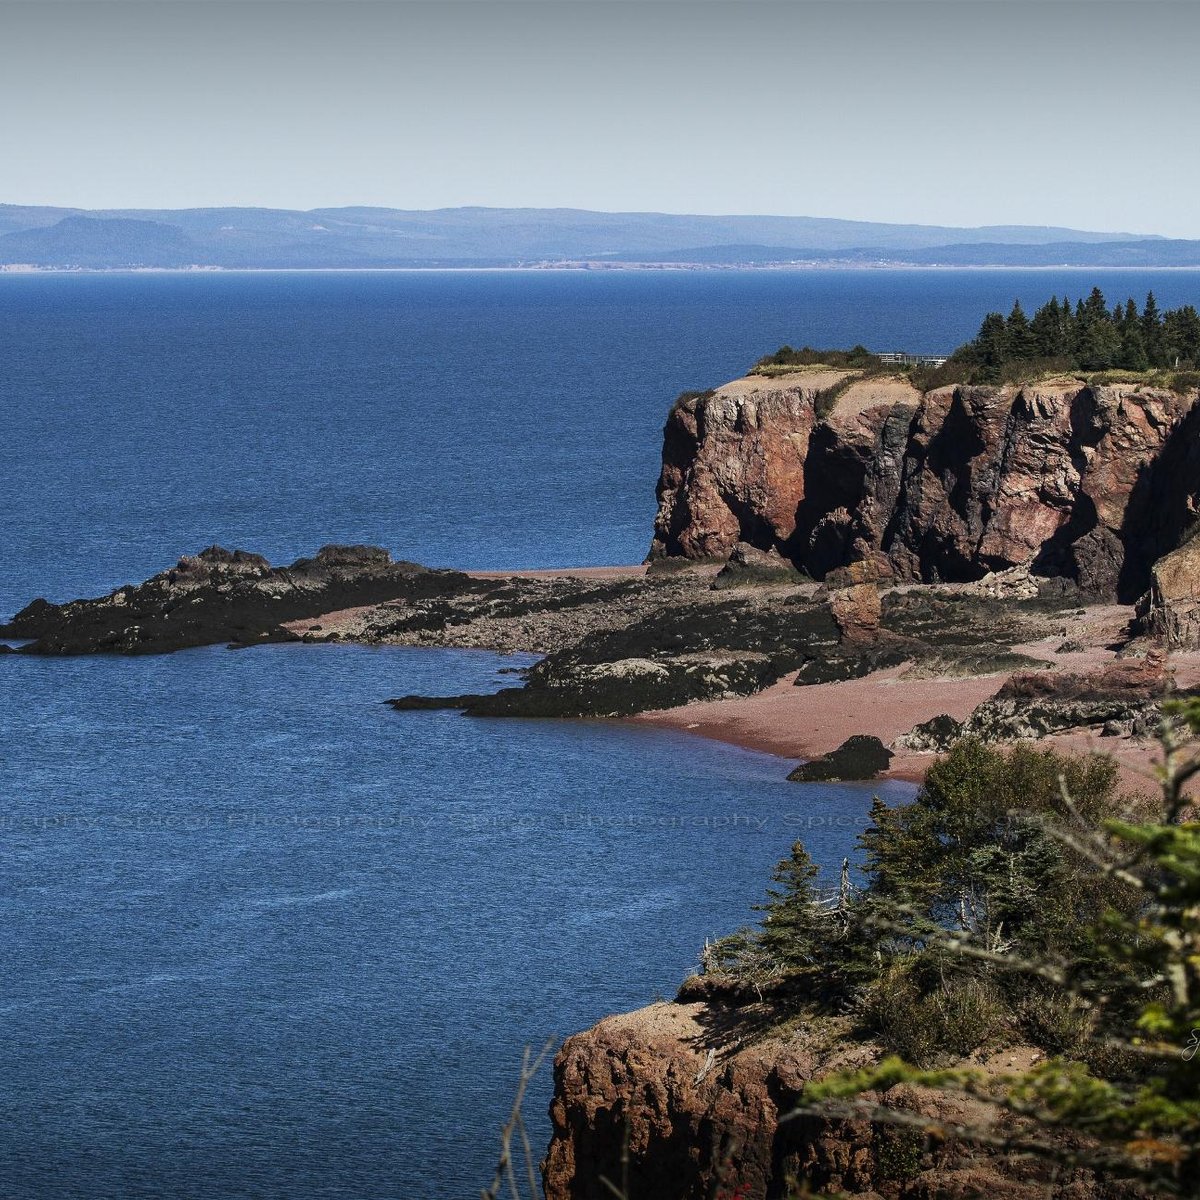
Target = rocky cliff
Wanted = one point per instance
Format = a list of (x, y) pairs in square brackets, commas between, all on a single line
[(1089, 482), (692, 1101)]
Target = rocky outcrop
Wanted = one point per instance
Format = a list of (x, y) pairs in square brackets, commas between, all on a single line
[(1090, 483), (712, 644), (707, 644), (1120, 699), (223, 595), (686, 1102), (1171, 608), (861, 756)]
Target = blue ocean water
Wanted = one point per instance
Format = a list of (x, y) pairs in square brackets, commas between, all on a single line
[(264, 937)]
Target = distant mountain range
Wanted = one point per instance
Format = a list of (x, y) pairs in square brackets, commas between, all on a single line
[(66, 238)]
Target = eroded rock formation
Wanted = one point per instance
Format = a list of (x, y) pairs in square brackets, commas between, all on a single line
[(1090, 483), (683, 1102), (1171, 608)]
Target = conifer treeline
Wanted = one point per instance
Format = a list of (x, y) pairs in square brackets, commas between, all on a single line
[(1087, 336)]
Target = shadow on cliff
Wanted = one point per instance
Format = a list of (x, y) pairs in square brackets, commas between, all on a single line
[(828, 519), (1162, 507), (929, 498), (897, 476), (1081, 549)]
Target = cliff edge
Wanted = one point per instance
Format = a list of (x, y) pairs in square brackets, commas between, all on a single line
[(1092, 482), (687, 1101)]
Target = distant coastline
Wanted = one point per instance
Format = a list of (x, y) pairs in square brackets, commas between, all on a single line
[(27, 269), (545, 239)]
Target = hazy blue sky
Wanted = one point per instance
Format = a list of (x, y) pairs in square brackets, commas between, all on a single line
[(966, 113)]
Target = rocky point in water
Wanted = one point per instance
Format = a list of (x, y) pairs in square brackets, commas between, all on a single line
[(223, 595), (1015, 503)]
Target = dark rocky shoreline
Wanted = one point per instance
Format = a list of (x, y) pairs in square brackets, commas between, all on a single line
[(226, 596), (618, 647)]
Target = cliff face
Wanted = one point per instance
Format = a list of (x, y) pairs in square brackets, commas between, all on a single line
[(1088, 483), (642, 1103)]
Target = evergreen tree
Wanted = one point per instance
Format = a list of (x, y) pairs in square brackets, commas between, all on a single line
[(1181, 336), (1096, 308), (1133, 349), (1099, 344), (793, 924), (991, 347), (1047, 330), (1066, 318), (1152, 333), (1020, 340)]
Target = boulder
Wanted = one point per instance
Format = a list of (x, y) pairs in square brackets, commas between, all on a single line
[(748, 564), (858, 611), (859, 757)]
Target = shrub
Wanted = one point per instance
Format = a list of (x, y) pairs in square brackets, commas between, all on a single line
[(1054, 1021), (926, 1022), (898, 1153)]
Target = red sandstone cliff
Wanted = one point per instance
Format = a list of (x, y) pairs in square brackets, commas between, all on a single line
[(642, 1103), (1093, 483)]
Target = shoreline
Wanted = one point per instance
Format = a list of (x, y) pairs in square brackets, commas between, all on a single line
[(798, 724), (751, 724), (667, 650)]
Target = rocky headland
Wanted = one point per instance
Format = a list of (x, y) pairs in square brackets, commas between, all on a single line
[(700, 1098), (844, 569), (822, 536), (1088, 482)]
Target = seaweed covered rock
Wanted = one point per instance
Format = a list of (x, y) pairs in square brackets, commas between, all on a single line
[(749, 565), (1121, 698), (859, 757), (700, 650), (937, 734), (224, 595)]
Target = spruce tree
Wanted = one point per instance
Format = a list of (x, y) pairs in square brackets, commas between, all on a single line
[(1096, 308), (1181, 336), (1047, 330), (793, 924), (991, 347), (1152, 333), (1133, 349), (1066, 318), (1020, 340)]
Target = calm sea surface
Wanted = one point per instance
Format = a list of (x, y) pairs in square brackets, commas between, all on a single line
[(262, 936)]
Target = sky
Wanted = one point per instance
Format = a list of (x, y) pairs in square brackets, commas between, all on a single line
[(964, 112)]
